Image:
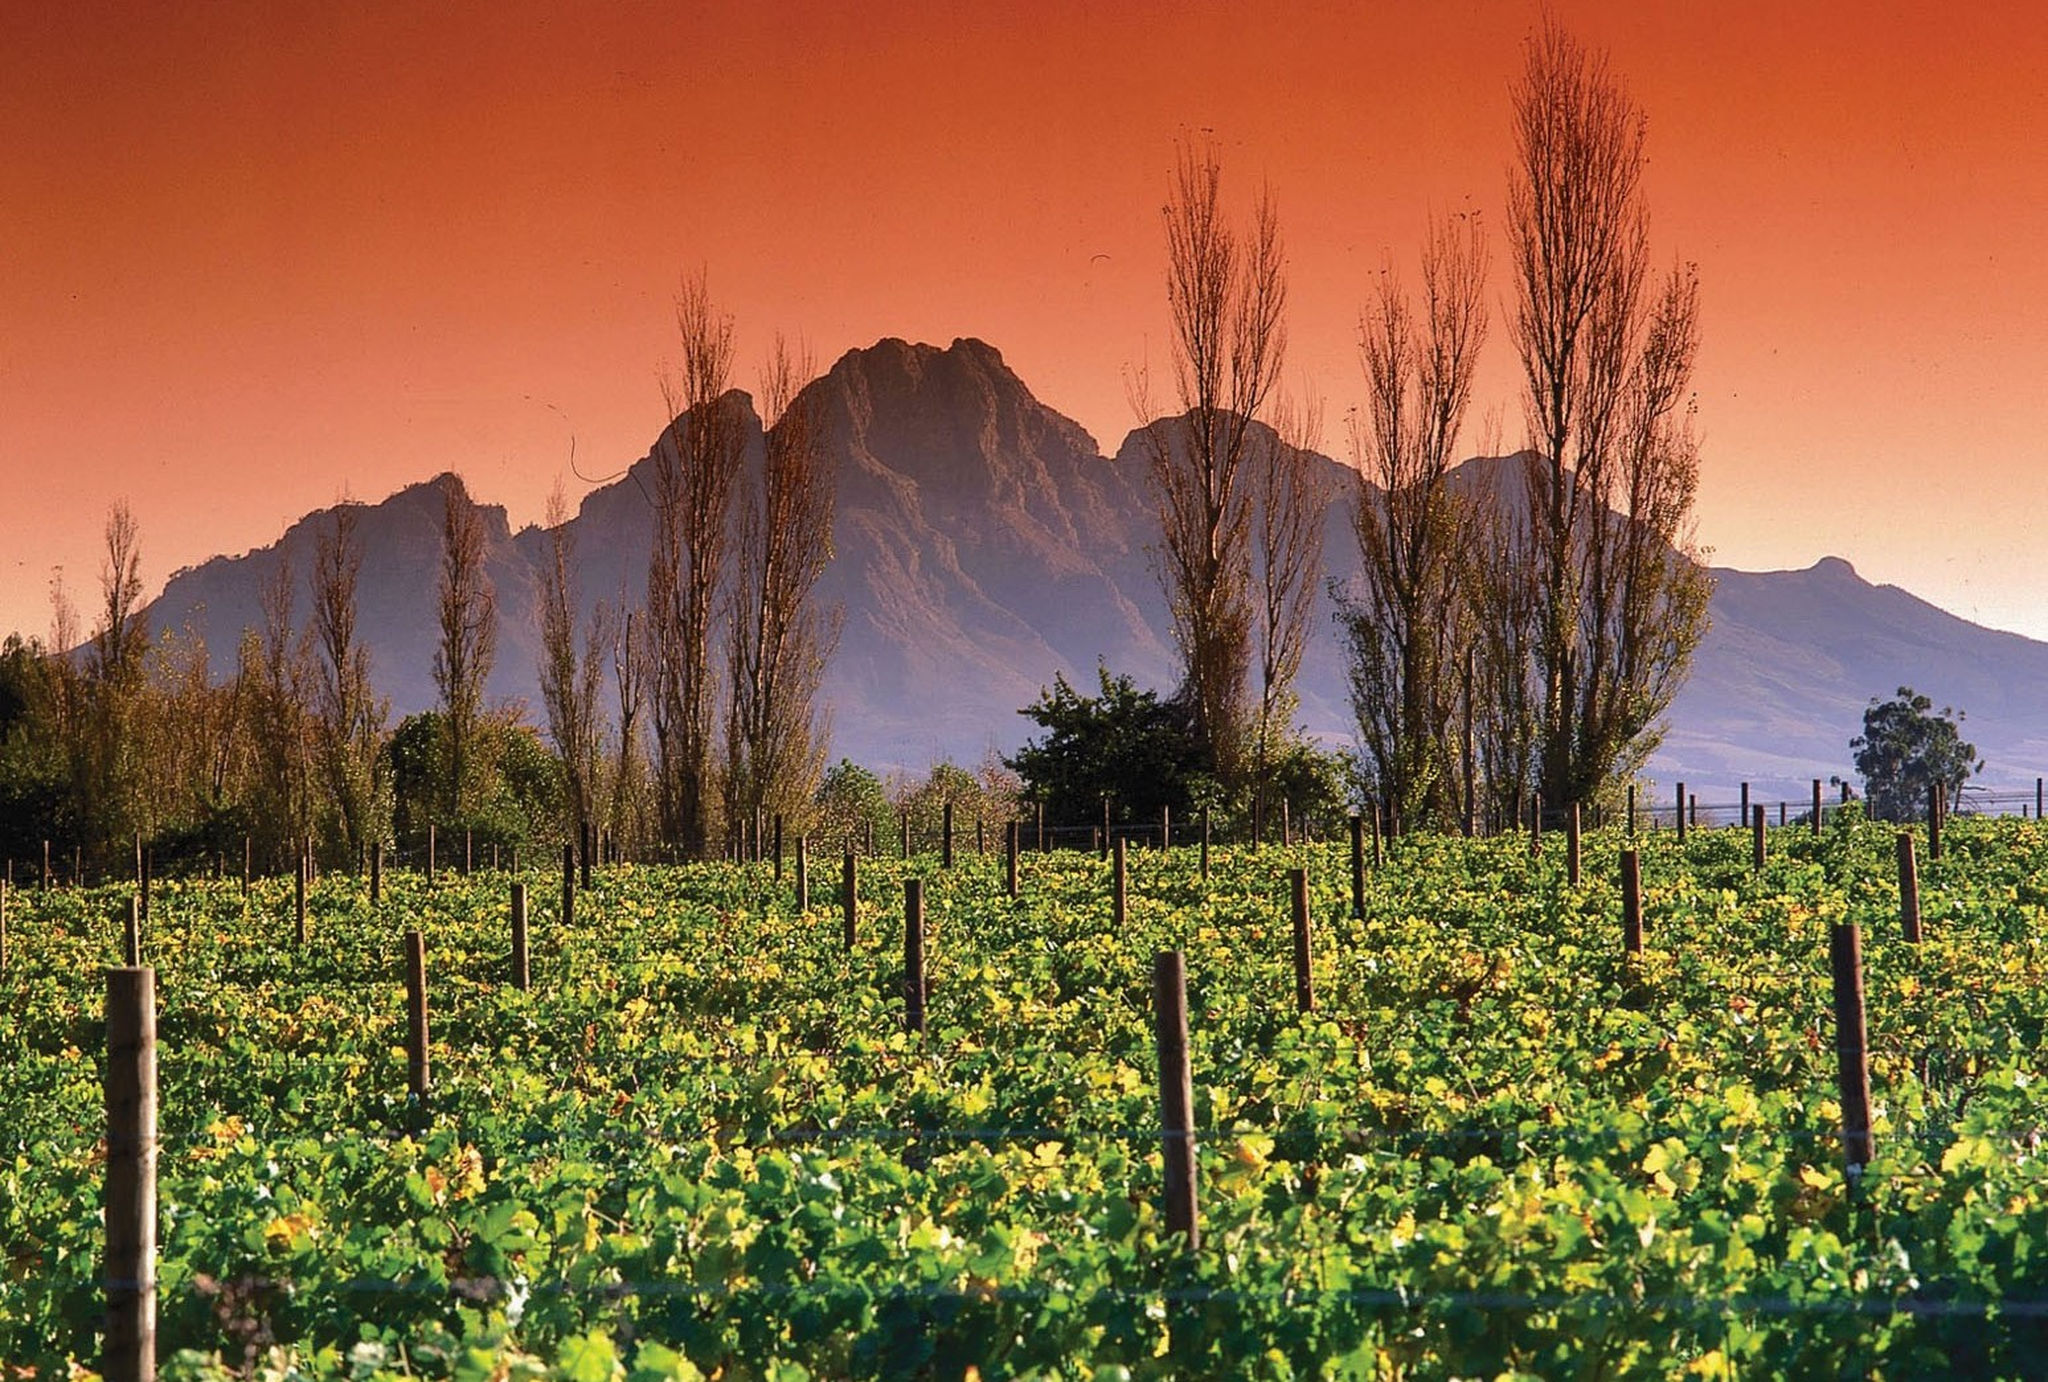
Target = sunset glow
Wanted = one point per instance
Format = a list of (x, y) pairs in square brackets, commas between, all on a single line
[(259, 256)]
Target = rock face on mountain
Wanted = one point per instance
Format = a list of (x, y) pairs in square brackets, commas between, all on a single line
[(983, 544)]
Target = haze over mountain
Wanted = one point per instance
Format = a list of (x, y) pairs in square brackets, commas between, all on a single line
[(983, 544)]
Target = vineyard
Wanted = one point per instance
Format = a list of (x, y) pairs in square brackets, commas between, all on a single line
[(703, 1143)]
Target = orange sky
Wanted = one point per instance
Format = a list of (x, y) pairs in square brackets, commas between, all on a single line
[(257, 256)]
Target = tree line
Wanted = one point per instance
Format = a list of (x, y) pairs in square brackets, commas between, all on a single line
[(1500, 644)]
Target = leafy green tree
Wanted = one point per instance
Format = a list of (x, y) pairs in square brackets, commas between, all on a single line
[(1123, 743), (1906, 749), (848, 801)]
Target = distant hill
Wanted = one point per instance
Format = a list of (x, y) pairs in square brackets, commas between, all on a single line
[(984, 544)]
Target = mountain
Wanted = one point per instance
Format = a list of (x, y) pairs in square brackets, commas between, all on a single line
[(983, 543)]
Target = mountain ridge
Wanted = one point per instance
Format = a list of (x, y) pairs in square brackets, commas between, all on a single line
[(985, 542)]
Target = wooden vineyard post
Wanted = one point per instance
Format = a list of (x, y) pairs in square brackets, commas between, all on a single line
[(2038, 796), (1536, 825), (46, 867), (778, 846), (3, 925), (803, 873), (568, 884), (980, 837), (1680, 812), (433, 847), (248, 862), (1357, 866), (1756, 839), (522, 973), (1205, 843), (417, 1077), (1010, 843), (1909, 888), (946, 835), (1692, 809), (913, 954), (1165, 828), (903, 823), (586, 857), (1102, 840), (468, 852), (1571, 846), (376, 873), (131, 934), (1743, 819), (1781, 815), (1041, 826), (849, 893), (1286, 826), (1176, 1095), (494, 856), (1379, 857), (130, 1276), (1119, 887), (1304, 982), (1631, 902), (299, 903), (1816, 806), (1631, 810), (1852, 1055), (1934, 823)]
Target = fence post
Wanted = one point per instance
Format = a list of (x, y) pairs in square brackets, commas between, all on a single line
[(1010, 843), (1756, 839), (778, 846), (980, 837), (248, 862), (1103, 840), (468, 851), (1935, 812), (417, 1077), (1165, 828), (1379, 856), (568, 884), (1692, 807), (1781, 814), (3, 926), (1205, 842), (2037, 798), (432, 848), (1631, 902), (913, 954), (1536, 825), (1119, 895), (376, 873), (1816, 806), (1631, 809), (1679, 809), (1571, 842), (903, 824), (803, 873), (131, 934), (1357, 866), (1743, 819), (1909, 888), (1176, 1095), (849, 873), (1041, 826), (130, 1280), (585, 850), (1852, 1057), (46, 869), (1304, 983), (946, 835), (299, 903), (522, 975)]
